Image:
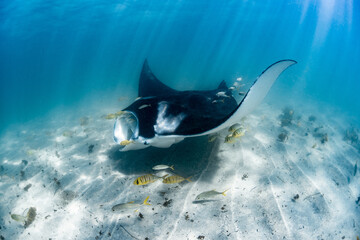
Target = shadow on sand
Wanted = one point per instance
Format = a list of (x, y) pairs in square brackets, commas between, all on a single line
[(189, 157)]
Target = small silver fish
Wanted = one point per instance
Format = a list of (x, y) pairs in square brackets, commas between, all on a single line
[(212, 138), (232, 88), (163, 167), (239, 79), (130, 205), (221, 94), (216, 101), (209, 195), (145, 106), (242, 93)]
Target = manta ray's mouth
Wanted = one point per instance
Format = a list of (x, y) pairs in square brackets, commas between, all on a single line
[(126, 128)]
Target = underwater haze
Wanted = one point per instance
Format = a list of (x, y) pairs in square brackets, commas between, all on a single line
[(66, 67), (57, 53)]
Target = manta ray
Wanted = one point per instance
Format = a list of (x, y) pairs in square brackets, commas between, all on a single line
[(162, 116)]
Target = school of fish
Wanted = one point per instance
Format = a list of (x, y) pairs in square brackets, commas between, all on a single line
[(166, 179)]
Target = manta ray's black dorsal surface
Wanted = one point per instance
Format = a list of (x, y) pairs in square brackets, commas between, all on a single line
[(162, 116), (162, 111)]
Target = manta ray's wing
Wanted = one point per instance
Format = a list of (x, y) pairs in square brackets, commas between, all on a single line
[(150, 86), (255, 94), (252, 99)]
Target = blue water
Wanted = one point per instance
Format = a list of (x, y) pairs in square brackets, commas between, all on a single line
[(55, 53), (289, 177)]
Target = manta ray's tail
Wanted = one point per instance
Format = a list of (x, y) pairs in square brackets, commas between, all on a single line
[(255, 94)]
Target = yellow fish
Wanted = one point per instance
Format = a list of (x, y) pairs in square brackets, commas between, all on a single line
[(234, 127), (125, 142), (238, 133), (146, 179), (209, 195), (114, 115), (130, 205), (119, 113), (229, 139), (175, 179), (110, 116)]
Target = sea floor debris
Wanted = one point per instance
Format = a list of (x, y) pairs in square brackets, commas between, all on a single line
[(283, 137), (286, 117), (25, 220)]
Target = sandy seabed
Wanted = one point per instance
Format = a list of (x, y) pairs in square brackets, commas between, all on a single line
[(300, 185)]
